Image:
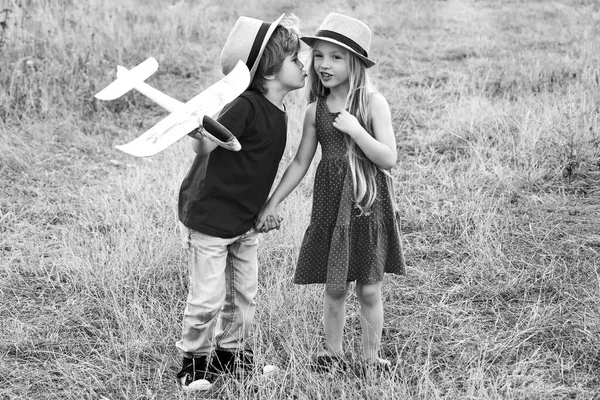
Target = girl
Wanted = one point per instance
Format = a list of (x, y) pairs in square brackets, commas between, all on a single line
[(354, 232)]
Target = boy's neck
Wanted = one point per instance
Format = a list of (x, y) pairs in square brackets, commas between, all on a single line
[(276, 97)]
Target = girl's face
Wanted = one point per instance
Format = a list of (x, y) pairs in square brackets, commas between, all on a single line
[(330, 63)]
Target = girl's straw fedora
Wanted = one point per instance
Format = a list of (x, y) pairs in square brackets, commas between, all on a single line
[(247, 41), (347, 32)]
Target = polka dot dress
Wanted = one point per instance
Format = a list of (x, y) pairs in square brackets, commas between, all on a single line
[(340, 245)]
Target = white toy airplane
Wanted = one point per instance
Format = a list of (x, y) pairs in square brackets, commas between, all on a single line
[(184, 117)]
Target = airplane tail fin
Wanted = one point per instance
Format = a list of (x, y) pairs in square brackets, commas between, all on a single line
[(127, 79)]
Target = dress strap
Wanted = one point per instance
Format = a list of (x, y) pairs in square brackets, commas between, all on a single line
[(321, 103)]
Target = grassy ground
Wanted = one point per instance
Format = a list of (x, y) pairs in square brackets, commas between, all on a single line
[(496, 108)]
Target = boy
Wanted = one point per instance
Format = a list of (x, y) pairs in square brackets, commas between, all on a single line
[(221, 196)]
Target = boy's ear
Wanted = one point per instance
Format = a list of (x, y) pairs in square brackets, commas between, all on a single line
[(269, 77)]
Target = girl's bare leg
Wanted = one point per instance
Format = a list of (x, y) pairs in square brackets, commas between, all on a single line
[(369, 296), (334, 316)]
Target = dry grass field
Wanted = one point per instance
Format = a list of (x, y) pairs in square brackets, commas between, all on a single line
[(496, 109)]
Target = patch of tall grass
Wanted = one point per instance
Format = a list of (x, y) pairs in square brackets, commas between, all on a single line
[(495, 109)]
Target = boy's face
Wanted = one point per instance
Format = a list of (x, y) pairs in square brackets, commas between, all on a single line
[(291, 75)]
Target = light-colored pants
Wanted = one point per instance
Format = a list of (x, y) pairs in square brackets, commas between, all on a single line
[(223, 282)]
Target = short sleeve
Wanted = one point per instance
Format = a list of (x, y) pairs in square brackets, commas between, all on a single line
[(237, 115)]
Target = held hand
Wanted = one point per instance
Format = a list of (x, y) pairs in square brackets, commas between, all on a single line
[(273, 222), (196, 133), (260, 219), (267, 219), (348, 124)]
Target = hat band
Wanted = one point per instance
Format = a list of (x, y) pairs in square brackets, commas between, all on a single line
[(342, 39), (258, 41)]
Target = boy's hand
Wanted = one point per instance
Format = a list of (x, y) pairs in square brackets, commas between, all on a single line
[(196, 133), (348, 124), (268, 218), (273, 222)]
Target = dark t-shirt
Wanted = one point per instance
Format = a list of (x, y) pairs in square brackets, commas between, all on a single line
[(224, 190)]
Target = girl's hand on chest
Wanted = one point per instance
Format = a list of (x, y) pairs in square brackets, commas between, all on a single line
[(347, 123)]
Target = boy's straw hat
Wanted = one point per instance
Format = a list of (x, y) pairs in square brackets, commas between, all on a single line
[(247, 41), (347, 32)]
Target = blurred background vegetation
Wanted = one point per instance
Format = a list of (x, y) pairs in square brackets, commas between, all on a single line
[(496, 111)]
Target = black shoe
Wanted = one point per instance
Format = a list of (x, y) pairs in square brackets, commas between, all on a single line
[(379, 367), (325, 363), (383, 366), (244, 362), (195, 374), (222, 361), (239, 363)]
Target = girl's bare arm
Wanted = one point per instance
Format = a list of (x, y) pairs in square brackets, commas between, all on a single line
[(380, 148), (295, 171)]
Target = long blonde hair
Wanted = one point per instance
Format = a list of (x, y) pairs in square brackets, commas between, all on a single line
[(363, 171)]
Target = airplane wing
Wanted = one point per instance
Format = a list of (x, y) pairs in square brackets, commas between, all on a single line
[(181, 122), (162, 135)]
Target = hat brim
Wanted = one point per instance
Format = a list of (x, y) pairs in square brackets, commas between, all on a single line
[(270, 31), (310, 40)]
